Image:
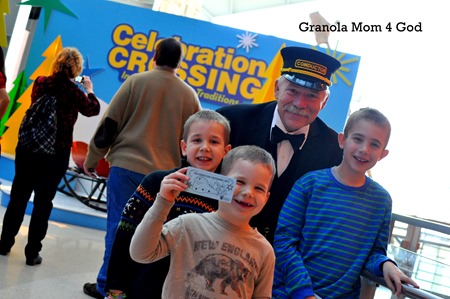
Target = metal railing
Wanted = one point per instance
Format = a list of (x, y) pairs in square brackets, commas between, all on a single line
[(407, 290), (411, 240), (423, 223)]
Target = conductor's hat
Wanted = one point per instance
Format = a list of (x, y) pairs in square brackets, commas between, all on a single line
[(308, 68)]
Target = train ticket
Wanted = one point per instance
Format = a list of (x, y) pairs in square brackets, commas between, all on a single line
[(210, 184)]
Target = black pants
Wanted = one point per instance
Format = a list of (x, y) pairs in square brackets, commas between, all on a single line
[(40, 173)]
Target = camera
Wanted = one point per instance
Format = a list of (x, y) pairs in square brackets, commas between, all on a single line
[(79, 79)]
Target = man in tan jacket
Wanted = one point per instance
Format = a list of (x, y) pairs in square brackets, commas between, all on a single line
[(139, 133)]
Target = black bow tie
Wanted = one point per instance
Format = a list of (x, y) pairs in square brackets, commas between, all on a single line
[(278, 135)]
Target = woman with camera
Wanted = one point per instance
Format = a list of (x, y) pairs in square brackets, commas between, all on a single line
[(38, 170)]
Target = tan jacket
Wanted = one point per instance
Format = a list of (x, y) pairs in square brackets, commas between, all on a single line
[(150, 109)]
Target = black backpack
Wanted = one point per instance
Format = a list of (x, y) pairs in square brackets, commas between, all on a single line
[(37, 131)]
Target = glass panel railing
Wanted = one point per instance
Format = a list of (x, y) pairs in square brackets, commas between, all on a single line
[(432, 276)]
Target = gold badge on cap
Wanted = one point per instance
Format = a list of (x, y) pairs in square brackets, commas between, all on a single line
[(311, 66)]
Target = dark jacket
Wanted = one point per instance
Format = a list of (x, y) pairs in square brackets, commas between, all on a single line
[(71, 100), (251, 124)]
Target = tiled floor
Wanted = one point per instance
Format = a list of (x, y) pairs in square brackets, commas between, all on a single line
[(72, 255)]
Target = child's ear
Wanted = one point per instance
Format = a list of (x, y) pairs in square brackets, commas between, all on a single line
[(267, 197), (384, 154), (227, 148), (183, 148), (341, 140)]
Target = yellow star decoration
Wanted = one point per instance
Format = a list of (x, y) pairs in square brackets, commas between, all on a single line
[(343, 69)]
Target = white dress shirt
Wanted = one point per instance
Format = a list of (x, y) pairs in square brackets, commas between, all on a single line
[(284, 148)]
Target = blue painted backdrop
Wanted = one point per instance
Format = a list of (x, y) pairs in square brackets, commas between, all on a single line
[(117, 40)]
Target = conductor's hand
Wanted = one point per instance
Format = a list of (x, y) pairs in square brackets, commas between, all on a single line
[(173, 184), (394, 278)]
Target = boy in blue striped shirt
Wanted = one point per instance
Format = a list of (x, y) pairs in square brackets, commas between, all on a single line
[(335, 221)]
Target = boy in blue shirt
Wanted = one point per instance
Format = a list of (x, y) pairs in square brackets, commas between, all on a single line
[(336, 221)]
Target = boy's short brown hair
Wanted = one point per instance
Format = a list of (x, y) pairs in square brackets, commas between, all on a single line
[(251, 153), (208, 115), (368, 114)]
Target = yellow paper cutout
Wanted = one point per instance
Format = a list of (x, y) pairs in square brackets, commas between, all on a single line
[(267, 92), (10, 137), (4, 9)]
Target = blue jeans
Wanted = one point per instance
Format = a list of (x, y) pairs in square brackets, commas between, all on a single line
[(120, 186)]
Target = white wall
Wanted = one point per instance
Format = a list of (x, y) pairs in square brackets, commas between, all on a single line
[(404, 75)]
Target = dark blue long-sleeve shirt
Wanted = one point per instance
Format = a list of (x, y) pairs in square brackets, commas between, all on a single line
[(327, 233)]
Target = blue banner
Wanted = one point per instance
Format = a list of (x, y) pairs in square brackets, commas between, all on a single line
[(224, 65)]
